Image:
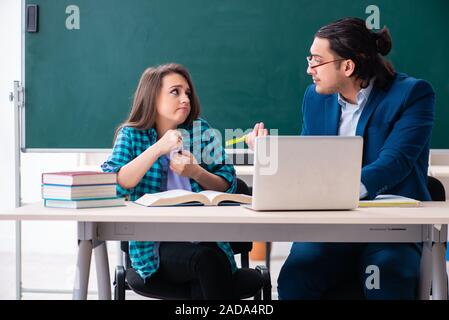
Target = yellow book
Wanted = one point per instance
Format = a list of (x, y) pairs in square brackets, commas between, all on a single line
[(183, 197), (388, 200)]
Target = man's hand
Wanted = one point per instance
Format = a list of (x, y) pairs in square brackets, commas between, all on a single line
[(258, 131)]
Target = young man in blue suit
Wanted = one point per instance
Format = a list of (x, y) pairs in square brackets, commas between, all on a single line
[(357, 92)]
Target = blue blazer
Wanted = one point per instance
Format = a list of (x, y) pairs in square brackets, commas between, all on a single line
[(396, 126)]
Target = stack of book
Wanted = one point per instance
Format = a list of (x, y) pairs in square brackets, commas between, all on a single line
[(80, 189)]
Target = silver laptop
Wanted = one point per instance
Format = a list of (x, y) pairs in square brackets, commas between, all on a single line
[(306, 173)]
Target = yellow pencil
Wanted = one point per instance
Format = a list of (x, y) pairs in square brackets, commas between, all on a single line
[(234, 141)]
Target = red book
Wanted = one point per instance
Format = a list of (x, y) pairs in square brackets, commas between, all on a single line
[(77, 178)]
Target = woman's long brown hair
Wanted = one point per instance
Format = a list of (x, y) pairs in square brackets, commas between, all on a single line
[(143, 110)]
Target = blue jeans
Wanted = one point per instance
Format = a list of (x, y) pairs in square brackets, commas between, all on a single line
[(312, 269)]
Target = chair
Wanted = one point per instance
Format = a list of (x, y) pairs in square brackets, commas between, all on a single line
[(436, 189), (352, 289), (249, 282)]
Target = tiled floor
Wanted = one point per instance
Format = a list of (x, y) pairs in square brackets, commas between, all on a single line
[(56, 272)]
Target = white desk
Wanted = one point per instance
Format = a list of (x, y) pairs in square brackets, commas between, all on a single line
[(426, 224)]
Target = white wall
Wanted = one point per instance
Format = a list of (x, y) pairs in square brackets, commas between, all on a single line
[(9, 71)]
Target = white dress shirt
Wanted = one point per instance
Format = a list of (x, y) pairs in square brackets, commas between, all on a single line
[(350, 115)]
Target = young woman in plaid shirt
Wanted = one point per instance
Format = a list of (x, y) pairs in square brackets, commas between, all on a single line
[(153, 153)]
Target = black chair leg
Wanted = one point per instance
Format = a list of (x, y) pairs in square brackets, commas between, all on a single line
[(244, 258), (266, 290), (267, 254), (119, 283)]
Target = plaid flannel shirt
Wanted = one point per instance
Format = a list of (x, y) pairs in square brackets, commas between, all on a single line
[(203, 144)]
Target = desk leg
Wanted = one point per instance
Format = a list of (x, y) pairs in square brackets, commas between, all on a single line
[(425, 276), (102, 266), (82, 270), (439, 276)]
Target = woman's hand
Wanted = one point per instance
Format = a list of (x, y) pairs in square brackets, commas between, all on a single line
[(132, 172), (184, 164), (171, 140), (258, 131)]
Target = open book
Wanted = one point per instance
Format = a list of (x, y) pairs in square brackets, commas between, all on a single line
[(184, 197), (388, 200)]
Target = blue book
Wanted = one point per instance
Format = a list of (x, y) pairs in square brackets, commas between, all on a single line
[(85, 203), (64, 192)]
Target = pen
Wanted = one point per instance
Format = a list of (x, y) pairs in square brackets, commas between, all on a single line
[(235, 140)]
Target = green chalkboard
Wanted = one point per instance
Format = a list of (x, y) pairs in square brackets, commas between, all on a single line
[(246, 58)]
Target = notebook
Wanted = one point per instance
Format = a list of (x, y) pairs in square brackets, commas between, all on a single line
[(389, 200)]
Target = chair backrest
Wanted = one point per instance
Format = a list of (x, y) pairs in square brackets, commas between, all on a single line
[(242, 187), (436, 189)]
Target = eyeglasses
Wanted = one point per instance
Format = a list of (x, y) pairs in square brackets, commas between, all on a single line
[(313, 64)]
